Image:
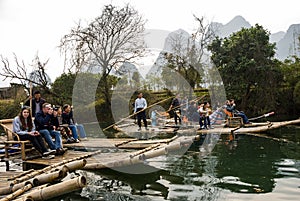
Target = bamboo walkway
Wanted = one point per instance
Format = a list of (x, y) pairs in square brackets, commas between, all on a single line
[(100, 151), (95, 154)]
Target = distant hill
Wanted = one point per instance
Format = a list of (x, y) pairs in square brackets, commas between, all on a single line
[(159, 41), (155, 38), (234, 25), (289, 44), (276, 37)]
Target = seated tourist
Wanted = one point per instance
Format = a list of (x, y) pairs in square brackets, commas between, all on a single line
[(64, 129), (227, 112), (231, 107), (24, 127), (44, 124), (67, 118)]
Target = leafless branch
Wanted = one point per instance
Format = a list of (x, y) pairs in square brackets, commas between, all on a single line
[(20, 72)]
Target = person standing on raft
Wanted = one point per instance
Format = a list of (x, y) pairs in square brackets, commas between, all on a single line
[(140, 106)]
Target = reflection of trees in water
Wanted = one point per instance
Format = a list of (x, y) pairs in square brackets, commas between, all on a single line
[(291, 149), (248, 165)]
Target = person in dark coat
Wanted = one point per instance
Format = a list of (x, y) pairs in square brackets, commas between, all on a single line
[(37, 102), (44, 124), (175, 106)]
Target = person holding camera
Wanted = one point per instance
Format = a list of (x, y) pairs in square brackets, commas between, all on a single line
[(24, 127), (44, 124)]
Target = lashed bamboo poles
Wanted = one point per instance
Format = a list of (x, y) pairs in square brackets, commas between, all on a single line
[(43, 178), (48, 168), (137, 113), (14, 187), (21, 188), (18, 192), (56, 189), (140, 158), (21, 174)]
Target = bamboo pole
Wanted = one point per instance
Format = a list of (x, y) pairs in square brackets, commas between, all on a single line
[(144, 150), (196, 99), (75, 165), (264, 115), (271, 138), (57, 189), (167, 149), (18, 192), (39, 179), (140, 158), (14, 187), (51, 167), (137, 112), (125, 142), (21, 174), (50, 177)]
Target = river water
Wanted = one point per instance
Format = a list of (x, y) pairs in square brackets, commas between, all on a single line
[(249, 168)]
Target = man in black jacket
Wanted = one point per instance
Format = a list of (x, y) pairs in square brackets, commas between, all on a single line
[(43, 124), (175, 105), (37, 102)]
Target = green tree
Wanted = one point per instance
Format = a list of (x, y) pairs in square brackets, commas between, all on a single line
[(63, 86), (297, 95), (248, 69), (136, 79), (289, 90)]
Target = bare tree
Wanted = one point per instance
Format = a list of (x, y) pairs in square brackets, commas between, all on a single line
[(116, 36), (19, 71), (201, 38), (187, 55)]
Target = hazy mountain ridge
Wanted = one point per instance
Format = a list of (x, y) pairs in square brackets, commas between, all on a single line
[(161, 40), (234, 25), (289, 44)]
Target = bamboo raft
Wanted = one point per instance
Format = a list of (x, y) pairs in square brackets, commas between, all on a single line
[(221, 129), (36, 184), (255, 128)]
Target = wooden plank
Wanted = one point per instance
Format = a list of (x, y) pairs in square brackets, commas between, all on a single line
[(98, 143), (6, 176)]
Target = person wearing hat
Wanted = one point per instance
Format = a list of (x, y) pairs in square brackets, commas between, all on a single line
[(37, 102)]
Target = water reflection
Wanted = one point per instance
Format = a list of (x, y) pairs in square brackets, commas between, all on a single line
[(249, 168)]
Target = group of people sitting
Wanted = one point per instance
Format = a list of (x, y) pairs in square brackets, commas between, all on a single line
[(203, 112), (49, 122), (190, 111)]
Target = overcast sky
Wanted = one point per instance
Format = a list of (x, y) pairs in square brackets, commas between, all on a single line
[(29, 27)]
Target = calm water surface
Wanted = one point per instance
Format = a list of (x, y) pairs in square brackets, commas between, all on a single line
[(250, 168)]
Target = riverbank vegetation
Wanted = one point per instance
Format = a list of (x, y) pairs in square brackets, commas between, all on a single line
[(245, 61)]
